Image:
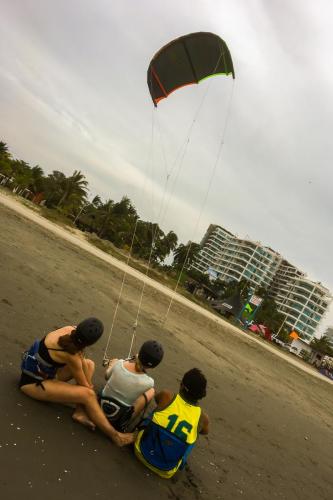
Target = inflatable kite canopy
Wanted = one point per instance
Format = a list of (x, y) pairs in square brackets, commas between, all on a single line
[(187, 60)]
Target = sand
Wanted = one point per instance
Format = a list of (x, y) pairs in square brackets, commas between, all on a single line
[(271, 418)]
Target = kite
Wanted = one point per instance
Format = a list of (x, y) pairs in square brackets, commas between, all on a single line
[(186, 61)]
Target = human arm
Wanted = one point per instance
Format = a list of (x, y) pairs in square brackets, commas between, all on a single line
[(163, 398), (204, 424), (75, 364), (110, 366)]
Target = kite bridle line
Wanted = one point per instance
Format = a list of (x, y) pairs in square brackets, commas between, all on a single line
[(159, 218), (182, 151), (186, 143), (218, 156), (105, 358), (168, 174), (179, 159), (135, 324), (209, 183)]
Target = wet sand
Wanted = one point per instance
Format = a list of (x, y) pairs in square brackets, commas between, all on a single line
[(271, 422)]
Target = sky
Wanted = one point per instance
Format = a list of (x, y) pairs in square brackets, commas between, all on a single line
[(73, 96)]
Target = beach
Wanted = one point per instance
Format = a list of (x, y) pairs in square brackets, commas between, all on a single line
[(271, 418)]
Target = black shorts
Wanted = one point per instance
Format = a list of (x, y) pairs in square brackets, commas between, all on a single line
[(26, 380), (117, 413)]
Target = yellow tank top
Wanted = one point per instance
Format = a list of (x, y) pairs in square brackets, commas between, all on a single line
[(180, 418)]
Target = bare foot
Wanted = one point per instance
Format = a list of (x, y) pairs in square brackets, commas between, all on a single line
[(124, 439), (83, 419)]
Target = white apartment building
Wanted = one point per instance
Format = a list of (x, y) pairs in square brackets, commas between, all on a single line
[(302, 302), (212, 246), (247, 259), (226, 257)]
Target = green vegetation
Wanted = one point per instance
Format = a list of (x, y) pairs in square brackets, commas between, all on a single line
[(65, 201), (284, 335), (113, 227), (267, 314), (56, 216), (322, 345)]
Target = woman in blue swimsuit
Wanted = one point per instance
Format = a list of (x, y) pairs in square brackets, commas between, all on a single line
[(59, 357)]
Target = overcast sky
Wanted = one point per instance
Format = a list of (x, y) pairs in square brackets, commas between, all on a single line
[(73, 95)]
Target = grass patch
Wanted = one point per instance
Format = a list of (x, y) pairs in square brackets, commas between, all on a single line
[(56, 217), (106, 246)]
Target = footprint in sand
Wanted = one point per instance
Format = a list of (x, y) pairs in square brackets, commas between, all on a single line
[(5, 301)]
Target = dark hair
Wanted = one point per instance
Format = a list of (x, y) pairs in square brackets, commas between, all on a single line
[(194, 385), (68, 344)]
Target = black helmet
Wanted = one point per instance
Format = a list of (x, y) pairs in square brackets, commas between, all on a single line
[(88, 332), (151, 353)]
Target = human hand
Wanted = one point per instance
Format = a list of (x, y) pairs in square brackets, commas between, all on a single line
[(112, 362)]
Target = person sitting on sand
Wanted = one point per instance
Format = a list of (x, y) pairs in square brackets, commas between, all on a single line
[(59, 357), (129, 389), (169, 435)]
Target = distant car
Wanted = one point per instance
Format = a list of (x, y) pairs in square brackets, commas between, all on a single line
[(278, 341), (284, 345)]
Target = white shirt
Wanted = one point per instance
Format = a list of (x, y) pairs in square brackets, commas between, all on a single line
[(126, 386)]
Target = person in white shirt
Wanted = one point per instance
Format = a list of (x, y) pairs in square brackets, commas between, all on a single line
[(129, 389)]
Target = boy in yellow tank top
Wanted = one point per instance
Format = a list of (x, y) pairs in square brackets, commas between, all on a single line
[(171, 432)]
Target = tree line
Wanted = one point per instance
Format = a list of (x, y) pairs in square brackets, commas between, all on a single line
[(116, 221)]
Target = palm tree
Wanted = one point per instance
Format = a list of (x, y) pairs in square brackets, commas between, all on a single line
[(64, 192), (242, 287), (74, 187), (119, 222), (269, 315), (96, 202), (37, 179), (4, 151), (171, 240), (87, 215), (21, 172), (54, 187), (105, 215), (5, 159), (184, 255), (163, 245), (124, 208), (146, 235), (322, 345)]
